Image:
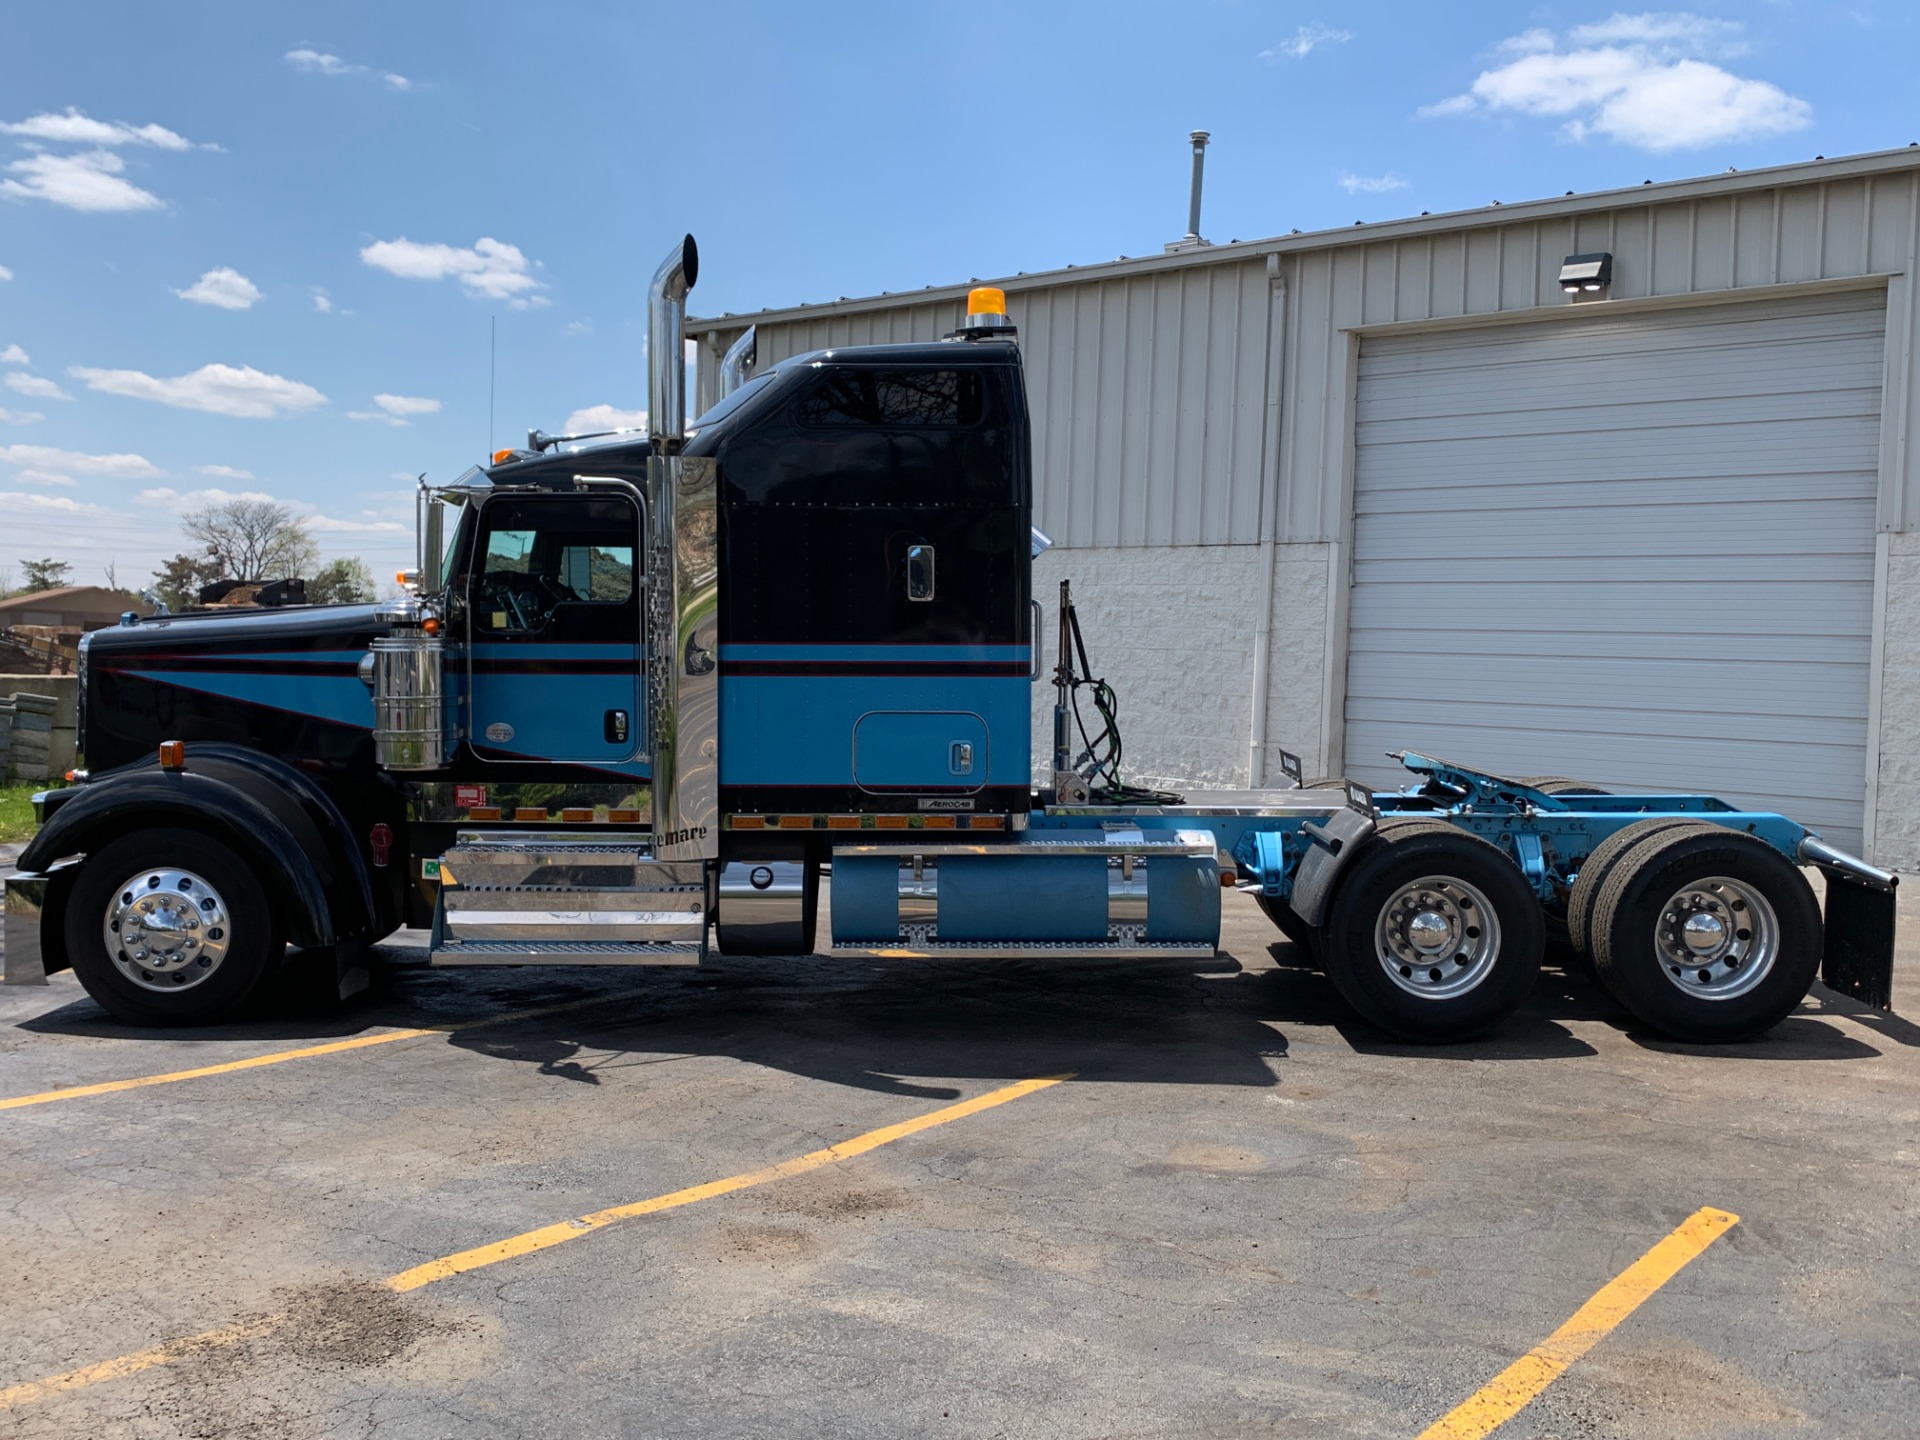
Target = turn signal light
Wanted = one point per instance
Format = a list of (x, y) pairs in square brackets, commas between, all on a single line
[(500, 457), (173, 754), (431, 625)]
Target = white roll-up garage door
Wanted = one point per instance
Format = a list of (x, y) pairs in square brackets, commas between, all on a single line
[(1632, 548)]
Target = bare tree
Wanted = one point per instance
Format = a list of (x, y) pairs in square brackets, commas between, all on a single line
[(252, 539), (112, 567)]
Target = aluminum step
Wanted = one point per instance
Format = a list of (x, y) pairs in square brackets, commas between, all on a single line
[(570, 952), (556, 912), (597, 859)]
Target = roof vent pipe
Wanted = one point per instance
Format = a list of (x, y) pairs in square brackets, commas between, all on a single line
[(666, 344), (1192, 237), (738, 362)]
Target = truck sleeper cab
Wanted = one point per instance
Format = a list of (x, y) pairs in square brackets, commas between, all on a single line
[(651, 688)]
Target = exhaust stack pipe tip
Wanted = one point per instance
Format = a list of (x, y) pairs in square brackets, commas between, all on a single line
[(738, 363), (666, 343)]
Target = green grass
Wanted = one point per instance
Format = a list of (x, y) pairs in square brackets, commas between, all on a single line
[(16, 809)]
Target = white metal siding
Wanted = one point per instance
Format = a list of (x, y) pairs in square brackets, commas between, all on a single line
[(1635, 550)]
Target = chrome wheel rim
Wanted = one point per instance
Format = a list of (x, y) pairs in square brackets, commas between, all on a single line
[(1717, 938), (167, 929), (1437, 937)]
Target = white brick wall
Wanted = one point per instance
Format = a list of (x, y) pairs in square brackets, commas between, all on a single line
[(1897, 842), (1173, 629)]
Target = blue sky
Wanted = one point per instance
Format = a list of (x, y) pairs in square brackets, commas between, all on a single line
[(257, 248)]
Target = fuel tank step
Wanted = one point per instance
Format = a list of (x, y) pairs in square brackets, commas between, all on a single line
[(572, 952)]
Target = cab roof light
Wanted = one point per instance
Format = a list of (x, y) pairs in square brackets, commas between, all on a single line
[(986, 315), (173, 754)]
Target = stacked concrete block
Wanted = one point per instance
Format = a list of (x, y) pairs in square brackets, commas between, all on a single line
[(32, 737)]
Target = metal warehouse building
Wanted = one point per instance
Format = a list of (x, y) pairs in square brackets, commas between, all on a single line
[(1393, 487)]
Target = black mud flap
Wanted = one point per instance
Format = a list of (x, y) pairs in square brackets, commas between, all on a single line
[(1859, 942)]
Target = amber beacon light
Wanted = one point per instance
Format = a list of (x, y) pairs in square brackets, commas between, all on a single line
[(986, 312)]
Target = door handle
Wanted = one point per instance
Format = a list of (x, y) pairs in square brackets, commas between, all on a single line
[(920, 572), (616, 726)]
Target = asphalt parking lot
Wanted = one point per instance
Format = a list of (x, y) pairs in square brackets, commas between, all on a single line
[(1243, 1214)]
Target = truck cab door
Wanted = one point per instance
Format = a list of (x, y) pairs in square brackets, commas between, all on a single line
[(555, 630)]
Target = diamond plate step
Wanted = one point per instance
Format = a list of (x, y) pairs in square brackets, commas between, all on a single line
[(572, 952)]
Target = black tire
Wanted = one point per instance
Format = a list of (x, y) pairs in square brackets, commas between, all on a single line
[(1412, 861), (1600, 864), (1562, 785), (1741, 890), (249, 933), (1306, 936)]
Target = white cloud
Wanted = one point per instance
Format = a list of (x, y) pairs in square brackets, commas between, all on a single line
[(1636, 79), (35, 387), (43, 478), (89, 180), (577, 327), (17, 500), (46, 457), (74, 128), (604, 417), (396, 409), (316, 62), (491, 269), (5, 273), (224, 472), (1694, 32), (329, 525), (167, 498), (217, 389), (1305, 41), (226, 288), (19, 417), (319, 62), (1370, 184), (322, 302), (14, 355)]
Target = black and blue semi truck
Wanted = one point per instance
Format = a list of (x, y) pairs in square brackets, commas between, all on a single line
[(644, 691)]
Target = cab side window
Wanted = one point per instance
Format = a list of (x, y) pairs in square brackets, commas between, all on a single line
[(540, 558)]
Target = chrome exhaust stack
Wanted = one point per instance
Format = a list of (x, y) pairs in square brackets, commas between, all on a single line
[(683, 587), (737, 364), (666, 345)]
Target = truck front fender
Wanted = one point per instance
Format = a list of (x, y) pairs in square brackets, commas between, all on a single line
[(323, 899)]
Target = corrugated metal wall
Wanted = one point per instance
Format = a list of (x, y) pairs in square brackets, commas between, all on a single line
[(1150, 380)]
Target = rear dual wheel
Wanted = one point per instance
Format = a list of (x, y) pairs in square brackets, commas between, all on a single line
[(1433, 934), (1705, 933)]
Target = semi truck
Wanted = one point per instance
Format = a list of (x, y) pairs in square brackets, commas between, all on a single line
[(648, 694)]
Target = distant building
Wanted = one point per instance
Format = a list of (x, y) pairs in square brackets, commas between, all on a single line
[(1395, 485), (71, 607), (40, 632)]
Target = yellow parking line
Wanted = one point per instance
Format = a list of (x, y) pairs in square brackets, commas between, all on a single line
[(528, 1243), (1504, 1396), (304, 1052)]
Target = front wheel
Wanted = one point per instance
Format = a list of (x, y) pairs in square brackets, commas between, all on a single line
[(170, 927), (1434, 934)]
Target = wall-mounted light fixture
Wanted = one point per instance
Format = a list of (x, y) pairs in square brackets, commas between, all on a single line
[(1586, 272)]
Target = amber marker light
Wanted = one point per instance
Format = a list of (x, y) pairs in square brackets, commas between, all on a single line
[(430, 625), (173, 754), (500, 457)]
